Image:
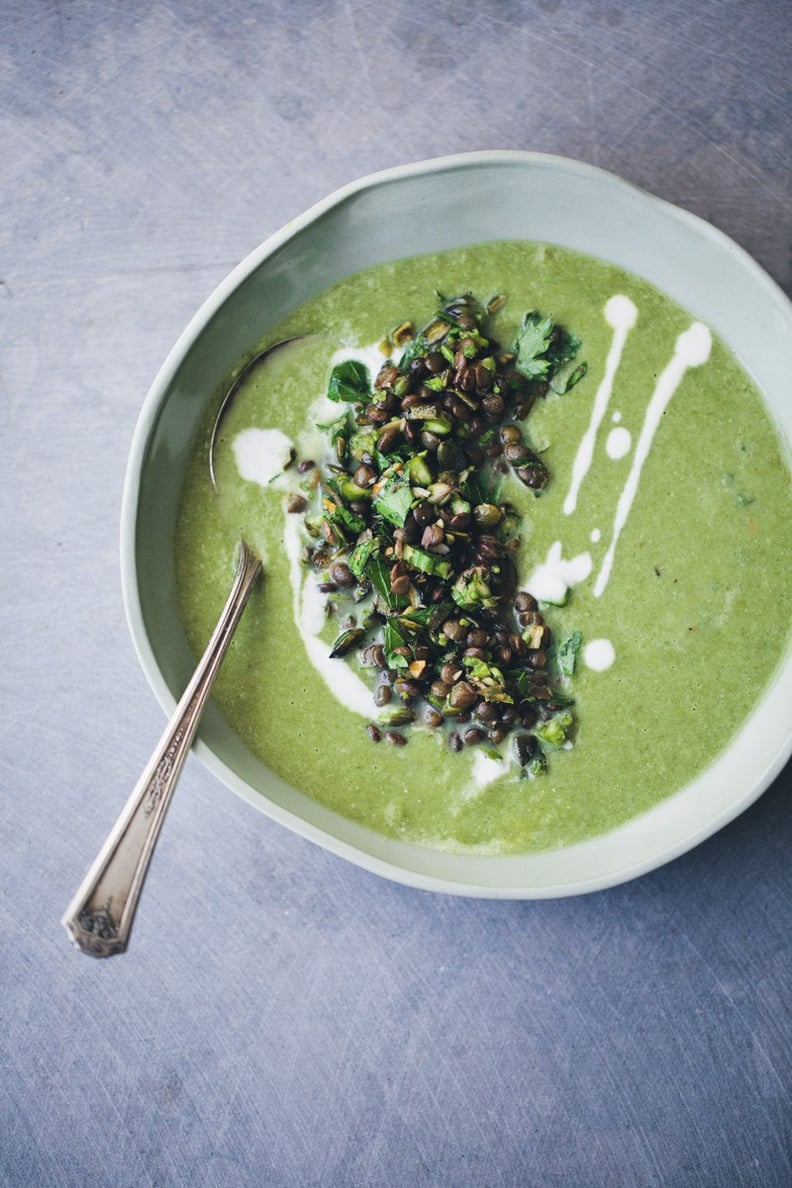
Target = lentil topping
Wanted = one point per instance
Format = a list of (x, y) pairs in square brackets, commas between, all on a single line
[(412, 536)]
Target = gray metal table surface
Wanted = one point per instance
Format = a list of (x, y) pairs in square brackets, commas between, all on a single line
[(282, 1017)]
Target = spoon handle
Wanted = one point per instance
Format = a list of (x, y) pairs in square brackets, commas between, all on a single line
[(101, 913)]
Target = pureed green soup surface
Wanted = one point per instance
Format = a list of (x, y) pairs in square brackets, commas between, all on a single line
[(667, 517)]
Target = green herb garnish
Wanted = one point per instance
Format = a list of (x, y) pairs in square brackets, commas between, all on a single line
[(349, 381), (567, 654)]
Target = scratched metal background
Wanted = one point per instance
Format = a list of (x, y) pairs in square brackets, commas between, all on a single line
[(284, 1018)]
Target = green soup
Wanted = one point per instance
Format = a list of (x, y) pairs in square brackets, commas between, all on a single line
[(668, 516)]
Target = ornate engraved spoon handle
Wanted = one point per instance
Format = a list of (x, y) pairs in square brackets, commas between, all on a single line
[(100, 915)]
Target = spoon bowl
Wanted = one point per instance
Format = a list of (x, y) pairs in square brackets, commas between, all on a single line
[(237, 385)]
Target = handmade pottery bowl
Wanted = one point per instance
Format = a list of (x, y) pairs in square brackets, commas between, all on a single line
[(415, 209)]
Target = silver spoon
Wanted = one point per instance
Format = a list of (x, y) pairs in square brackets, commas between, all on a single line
[(101, 914)]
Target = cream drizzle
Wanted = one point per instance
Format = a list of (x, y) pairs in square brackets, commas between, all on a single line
[(618, 443), (550, 581), (620, 314), (484, 768), (692, 349), (598, 654), (262, 455)]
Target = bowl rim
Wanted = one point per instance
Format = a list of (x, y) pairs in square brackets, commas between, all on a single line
[(146, 423)]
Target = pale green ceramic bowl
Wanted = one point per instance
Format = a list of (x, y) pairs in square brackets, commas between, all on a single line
[(419, 208)]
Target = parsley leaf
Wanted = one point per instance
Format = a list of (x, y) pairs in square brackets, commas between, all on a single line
[(547, 351), (532, 344)]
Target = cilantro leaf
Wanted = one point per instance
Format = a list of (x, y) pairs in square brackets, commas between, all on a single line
[(349, 382)]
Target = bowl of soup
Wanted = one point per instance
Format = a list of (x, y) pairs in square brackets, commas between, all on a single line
[(453, 328)]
